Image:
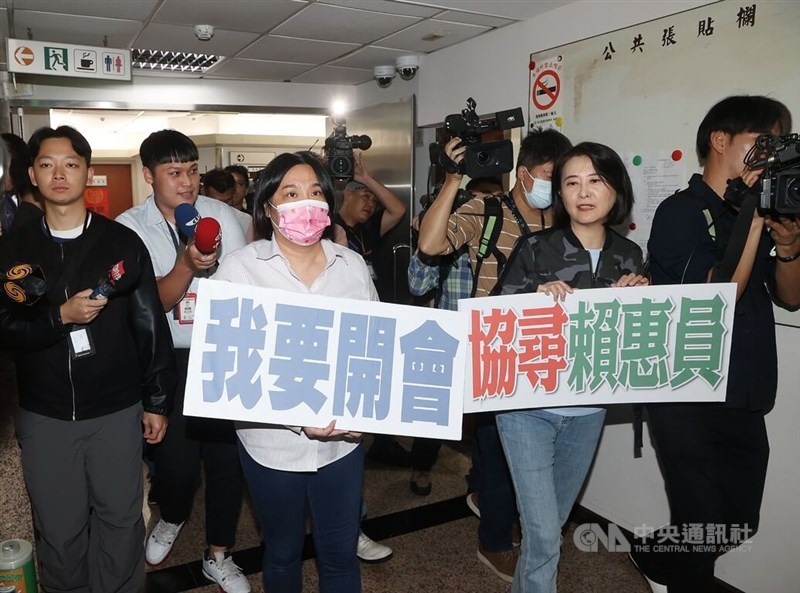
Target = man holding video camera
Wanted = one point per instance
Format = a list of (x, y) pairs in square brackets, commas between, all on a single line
[(714, 455), (524, 209), (360, 216)]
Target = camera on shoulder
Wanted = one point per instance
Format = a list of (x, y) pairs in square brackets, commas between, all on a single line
[(339, 149), (778, 189), (481, 159)]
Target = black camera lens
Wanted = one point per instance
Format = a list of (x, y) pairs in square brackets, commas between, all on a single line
[(483, 158), (793, 191)]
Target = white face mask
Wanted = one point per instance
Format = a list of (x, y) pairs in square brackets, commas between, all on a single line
[(540, 195)]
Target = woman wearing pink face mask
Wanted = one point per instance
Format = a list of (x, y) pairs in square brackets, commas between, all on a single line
[(291, 468)]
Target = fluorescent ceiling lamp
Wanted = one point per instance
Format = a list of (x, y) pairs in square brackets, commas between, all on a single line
[(172, 61)]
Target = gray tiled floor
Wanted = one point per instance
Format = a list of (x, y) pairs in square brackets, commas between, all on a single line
[(440, 559)]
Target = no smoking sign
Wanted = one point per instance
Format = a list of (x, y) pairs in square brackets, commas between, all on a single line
[(546, 89)]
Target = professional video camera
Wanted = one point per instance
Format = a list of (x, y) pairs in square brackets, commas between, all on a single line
[(780, 182), (462, 197), (481, 159), (778, 189), (339, 150)]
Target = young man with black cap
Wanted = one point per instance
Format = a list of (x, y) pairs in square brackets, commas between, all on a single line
[(360, 216)]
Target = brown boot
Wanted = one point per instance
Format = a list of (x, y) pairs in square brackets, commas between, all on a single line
[(503, 564)]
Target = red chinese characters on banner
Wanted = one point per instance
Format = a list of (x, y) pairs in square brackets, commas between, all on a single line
[(494, 368), (542, 347), (498, 356)]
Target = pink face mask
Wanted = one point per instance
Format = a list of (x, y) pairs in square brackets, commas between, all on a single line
[(303, 221)]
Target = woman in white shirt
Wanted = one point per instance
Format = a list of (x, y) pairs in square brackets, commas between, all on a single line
[(291, 468)]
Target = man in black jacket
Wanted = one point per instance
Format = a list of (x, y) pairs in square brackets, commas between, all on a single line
[(91, 372)]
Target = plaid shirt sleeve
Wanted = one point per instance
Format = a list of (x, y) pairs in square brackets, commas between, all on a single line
[(422, 278), (458, 284)]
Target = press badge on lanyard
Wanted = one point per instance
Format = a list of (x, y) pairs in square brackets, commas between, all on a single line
[(184, 310), (80, 343)]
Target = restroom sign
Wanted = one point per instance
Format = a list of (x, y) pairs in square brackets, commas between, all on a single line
[(63, 59)]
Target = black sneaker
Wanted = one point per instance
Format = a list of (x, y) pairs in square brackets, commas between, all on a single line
[(421, 483)]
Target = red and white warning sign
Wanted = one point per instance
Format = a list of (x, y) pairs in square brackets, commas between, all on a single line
[(546, 88), (546, 80), (23, 55)]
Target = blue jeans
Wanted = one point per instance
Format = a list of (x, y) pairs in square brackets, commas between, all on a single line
[(549, 456), (333, 498)]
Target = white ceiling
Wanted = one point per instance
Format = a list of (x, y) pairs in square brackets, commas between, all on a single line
[(319, 41)]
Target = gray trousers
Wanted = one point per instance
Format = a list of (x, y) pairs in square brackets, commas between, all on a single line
[(84, 479)]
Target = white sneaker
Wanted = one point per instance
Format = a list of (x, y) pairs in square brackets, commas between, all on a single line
[(221, 569), (160, 541), (472, 503), (369, 550)]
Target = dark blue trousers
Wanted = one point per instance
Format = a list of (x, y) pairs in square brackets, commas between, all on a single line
[(332, 496)]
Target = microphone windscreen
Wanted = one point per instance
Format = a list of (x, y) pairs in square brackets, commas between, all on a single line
[(24, 283), (120, 277), (186, 219), (208, 235)]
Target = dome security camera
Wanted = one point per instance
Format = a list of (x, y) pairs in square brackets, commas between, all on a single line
[(383, 75), (204, 32), (407, 66)]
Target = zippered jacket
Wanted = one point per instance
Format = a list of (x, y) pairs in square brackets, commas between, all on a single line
[(557, 254), (131, 358)]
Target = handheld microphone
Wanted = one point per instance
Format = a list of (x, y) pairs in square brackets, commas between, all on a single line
[(206, 232), (23, 283), (207, 236), (186, 219), (118, 279)]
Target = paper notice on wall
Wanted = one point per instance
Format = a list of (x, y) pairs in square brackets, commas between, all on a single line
[(655, 176)]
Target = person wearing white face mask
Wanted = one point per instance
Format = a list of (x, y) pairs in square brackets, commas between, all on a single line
[(289, 469), (525, 209), (540, 195)]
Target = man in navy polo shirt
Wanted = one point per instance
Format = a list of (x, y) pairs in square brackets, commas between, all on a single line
[(714, 455)]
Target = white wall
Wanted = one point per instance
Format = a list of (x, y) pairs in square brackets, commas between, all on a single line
[(493, 68)]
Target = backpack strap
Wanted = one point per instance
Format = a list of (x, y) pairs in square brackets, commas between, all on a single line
[(492, 226)]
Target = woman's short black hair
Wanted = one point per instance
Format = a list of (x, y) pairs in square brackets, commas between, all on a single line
[(607, 165), (740, 114), (270, 180), (78, 141), (167, 146)]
